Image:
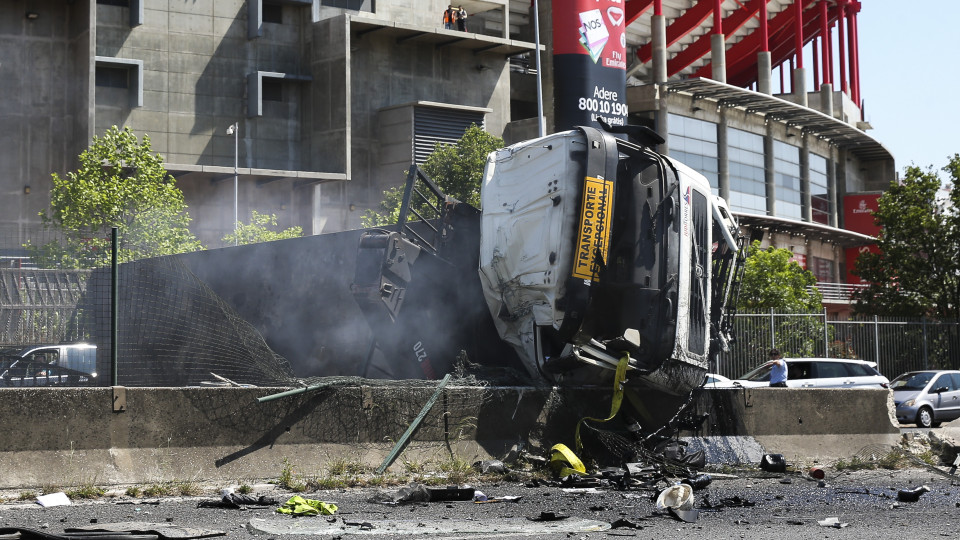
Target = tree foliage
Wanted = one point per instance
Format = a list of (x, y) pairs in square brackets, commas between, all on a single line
[(917, 270), (456, 169), (120, 183), (260, 229), (771, 280)]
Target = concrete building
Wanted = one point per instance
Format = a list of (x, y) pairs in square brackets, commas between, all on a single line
[(333, 99)]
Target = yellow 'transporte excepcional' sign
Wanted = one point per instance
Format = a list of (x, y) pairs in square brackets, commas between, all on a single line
[(594, 232)]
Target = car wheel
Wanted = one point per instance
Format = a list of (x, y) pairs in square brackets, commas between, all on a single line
[(925, 417)]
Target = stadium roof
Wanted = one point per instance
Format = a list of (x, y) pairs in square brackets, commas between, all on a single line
[(808, 121)]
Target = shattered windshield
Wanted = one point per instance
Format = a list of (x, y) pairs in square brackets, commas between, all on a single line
[(911, 381)]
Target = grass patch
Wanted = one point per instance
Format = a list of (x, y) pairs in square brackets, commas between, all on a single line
[(244, 489), (343, 467), (457, 470), (27, 495), (86, 491), (290, 480), (133, 491), (158, 490)]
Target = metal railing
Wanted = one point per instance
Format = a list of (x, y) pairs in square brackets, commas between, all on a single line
[(838, 292), (896, 345)]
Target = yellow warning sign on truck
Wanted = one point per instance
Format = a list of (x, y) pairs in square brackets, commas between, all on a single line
[(594, 231)]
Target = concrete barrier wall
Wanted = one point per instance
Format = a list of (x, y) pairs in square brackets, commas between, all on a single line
[(69, 437)]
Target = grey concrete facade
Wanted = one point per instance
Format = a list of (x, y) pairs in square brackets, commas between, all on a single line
[(305, 83)]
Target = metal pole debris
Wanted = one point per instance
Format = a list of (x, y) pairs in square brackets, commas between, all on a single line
[(397, 448)]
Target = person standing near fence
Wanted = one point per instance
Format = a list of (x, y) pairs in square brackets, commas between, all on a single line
[(778, 371)]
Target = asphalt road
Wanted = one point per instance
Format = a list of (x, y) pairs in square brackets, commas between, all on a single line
[(751, 505)]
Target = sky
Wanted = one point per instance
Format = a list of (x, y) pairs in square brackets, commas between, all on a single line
[(910, 78)]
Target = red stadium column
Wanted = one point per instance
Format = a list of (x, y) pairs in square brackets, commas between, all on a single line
[(854, 52), (825, 41), (826, 44), (841, 42)]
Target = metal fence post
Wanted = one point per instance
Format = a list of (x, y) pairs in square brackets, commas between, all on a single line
[(876, 341), (114, 303), (826, 336), (773, 334), (926, 363)]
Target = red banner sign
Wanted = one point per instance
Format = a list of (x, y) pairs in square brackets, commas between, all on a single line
[(858, 212)]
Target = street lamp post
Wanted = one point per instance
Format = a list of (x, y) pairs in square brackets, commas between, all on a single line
[(234, 130)]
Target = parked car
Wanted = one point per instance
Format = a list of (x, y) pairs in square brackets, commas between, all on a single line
[(71, 364), (820, 373), (714, 380), (927, 398)]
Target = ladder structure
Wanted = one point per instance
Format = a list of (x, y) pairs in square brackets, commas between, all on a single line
[(40, 305)]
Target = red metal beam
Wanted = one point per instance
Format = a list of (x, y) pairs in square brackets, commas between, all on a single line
[(696, 50), (681, 26), (636, 8)]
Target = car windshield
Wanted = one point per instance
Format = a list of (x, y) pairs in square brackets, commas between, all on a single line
[(762, 373), (912, 381)]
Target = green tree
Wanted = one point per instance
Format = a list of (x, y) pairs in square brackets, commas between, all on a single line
[(120, 183), (457, 169), (771, 280), (260, 229), (917, 270)]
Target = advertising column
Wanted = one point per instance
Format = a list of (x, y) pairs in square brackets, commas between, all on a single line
[(589, 59)]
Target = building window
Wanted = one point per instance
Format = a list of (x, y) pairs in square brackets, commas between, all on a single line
[(272, 89), (693, 142), (272, 13), (113, 77), (819, 201), (748, 191), (786, 167), (121, 73)]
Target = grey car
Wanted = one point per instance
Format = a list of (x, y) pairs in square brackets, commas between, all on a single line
[(68, 364), (927, 398)]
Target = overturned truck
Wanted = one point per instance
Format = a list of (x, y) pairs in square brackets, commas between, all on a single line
[(591, 250)]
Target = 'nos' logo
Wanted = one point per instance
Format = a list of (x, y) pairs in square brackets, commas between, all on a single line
[(593, 33)]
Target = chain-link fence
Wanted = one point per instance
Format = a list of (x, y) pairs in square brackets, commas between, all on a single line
[(174, 330), (895, 344)]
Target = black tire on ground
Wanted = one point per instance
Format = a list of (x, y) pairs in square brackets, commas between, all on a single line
[(925, 417)]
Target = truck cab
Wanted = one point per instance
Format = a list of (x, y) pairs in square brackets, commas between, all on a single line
[(595, 247)]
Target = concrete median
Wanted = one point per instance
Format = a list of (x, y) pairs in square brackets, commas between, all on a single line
[(74, 436)]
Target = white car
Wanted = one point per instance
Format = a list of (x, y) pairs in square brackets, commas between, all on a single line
[(820, 373), (714, 380)]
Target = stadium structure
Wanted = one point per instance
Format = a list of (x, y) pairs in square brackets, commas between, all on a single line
[(331, 100)]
